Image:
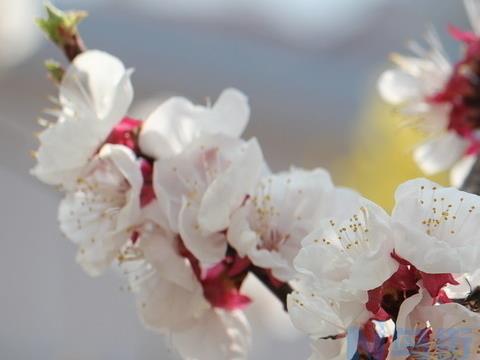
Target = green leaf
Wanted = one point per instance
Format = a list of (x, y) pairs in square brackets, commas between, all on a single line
[(60, 26)]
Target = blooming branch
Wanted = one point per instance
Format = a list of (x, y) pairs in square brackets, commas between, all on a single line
[(186, 208), (61, 28)]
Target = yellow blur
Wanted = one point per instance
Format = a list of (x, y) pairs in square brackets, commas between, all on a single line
[(381, 156)]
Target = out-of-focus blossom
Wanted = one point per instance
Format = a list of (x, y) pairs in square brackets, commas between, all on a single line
[(18, 32), (411, 85), (442, 97), (217, 335)]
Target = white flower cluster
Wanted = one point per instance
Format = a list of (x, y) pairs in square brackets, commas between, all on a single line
[(186, 208), (363, 271), (179, 202)]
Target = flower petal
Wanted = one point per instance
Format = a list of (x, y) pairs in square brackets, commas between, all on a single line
[(209, 248), (436, 228), (349, 256), (440, 153), (97, 84), (125, 162), (233, 114), (177, 122), (473, 12), (329, 349), (319, 316), (98, 254), (397, 87), (218, 335), (165, 305), (95, 94), (229, 189), (104, 204)]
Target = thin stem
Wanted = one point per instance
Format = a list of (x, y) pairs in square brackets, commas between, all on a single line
[(73, 46), (471, 183), (280, 290)]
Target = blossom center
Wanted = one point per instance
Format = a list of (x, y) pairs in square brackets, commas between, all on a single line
[(442, 217), (126, 133), (462, 93)]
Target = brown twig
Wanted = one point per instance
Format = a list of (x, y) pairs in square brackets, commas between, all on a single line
[(61, 28), (73, 46), (280, 290), (471, 183)]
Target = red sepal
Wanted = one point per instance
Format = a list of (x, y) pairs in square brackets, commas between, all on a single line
[(435, 282)]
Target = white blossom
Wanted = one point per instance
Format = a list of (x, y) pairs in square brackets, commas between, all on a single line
[(410, 86), (178, 122), (202, 186), (320, 316), (18, 33), (269, 228), (169, 296), (328, 322), (101, 206), (437, 227), (349, 254), (94, 95)]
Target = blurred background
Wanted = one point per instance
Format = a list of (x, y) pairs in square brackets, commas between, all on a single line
[(310, 69)]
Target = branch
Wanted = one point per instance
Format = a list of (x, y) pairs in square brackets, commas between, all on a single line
[(280, 289), (73, 47), (60, 27), (471, 183)]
